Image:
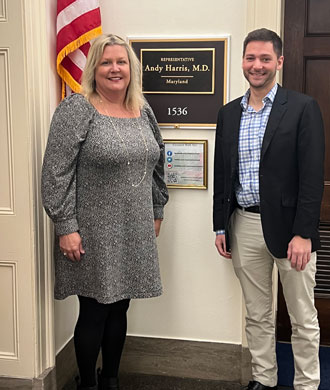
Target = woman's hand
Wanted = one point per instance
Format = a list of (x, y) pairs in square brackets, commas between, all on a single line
[(71, 246), (157, 226)]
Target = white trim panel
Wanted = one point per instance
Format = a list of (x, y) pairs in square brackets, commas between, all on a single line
[(6, 148), (8, 310), (3, 11)]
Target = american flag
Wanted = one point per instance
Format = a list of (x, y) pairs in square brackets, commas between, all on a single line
[(78, 22)]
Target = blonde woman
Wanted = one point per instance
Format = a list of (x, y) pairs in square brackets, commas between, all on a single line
[(103, 187)]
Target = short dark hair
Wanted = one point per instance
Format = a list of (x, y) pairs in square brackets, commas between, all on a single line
[(264, 35)]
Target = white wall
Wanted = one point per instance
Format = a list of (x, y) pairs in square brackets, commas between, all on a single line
[(202, 299)]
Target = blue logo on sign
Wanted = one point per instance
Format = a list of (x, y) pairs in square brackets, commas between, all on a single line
[(169, 153), (169, 159)]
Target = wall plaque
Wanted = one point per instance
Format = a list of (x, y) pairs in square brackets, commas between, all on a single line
[(184, 80), (178, 71), (186, 164)]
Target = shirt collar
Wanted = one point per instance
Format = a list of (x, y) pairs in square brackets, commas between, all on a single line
[(269, 97)]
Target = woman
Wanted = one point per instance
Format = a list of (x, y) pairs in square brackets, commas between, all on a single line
[(102, 185)]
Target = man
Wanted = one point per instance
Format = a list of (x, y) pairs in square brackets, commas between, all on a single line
[(268, 184)]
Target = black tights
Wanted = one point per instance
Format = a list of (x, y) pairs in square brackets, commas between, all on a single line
[(99, 326)]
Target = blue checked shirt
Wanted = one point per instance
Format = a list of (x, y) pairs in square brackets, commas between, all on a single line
[(251, 134)]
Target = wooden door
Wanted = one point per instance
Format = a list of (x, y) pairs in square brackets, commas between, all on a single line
[(307, 70)]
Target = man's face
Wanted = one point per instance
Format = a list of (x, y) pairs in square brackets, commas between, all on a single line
[(260, 64)]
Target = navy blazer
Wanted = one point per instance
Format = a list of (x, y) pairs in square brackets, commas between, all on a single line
[(290, 173)]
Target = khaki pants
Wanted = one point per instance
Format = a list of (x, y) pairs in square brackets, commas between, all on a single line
[(253, 265)]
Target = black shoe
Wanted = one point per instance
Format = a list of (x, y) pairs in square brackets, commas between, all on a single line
[(79, 387), (105, 383), (254, 385)]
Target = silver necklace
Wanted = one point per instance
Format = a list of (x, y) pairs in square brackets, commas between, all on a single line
[(125, 146)]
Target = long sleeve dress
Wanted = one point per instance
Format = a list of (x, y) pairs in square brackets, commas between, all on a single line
[(91, 170)]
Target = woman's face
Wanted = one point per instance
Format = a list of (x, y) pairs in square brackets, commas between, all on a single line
[(112, 73)]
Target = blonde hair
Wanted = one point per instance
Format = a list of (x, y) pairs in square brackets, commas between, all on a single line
[(134, 98)]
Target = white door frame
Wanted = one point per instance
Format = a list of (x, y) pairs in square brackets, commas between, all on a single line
[(37, 68)]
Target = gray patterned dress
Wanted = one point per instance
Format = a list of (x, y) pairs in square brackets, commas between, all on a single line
[(87, 187)]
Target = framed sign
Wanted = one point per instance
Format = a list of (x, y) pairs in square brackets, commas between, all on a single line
[(197, 76), (184, 80), (186, 164)]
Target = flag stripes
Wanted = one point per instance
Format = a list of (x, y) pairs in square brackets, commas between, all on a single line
[(78, 22)]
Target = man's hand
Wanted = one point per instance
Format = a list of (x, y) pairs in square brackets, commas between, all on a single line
[(71, 246), (299, 252), (220, 243)]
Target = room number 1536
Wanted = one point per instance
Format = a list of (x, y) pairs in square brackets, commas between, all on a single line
[(177, 111)]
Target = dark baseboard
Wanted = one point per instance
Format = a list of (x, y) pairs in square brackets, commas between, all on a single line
[(188, 359), (46, 381), (217, 366), (145, 356), (66, 365)]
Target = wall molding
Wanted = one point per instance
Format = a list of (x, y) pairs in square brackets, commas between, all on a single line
[(268, 14), (14, 354), (7, 153), (37, 94), (3, 11)]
